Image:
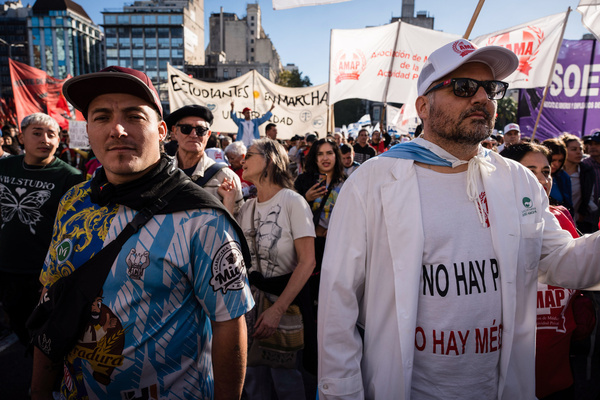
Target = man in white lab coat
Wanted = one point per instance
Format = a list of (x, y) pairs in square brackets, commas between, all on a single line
[(433, 295)]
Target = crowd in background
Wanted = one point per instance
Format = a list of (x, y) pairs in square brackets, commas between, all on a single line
[(301, 178)]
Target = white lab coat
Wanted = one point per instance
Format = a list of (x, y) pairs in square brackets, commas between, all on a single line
[(372, 265)]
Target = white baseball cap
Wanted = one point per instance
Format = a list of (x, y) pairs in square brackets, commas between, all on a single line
[(447, 58), (512, 127)]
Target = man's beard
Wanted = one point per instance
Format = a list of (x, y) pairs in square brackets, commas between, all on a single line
[(461, 130)]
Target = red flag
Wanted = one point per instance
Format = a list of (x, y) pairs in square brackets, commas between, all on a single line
[(36, 91)]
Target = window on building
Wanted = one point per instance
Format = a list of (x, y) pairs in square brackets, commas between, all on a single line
[(176, 19), (251, 40), (111, 43), (252, 58), (163, 19), (123, 19), (225, 73), (110, 32), (124, 53), (137, 19), (164, 53), (252, 32), (124, 42), (112, 61), (251, 23), (138, 63), (252, 50), (149, 19), (252, 18), (151, 53), (238, 72)]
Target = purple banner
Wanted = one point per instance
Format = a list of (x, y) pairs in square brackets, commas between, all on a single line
[(573, 101)]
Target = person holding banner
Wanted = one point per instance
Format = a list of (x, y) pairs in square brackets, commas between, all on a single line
[(428, 290), (248, 128)]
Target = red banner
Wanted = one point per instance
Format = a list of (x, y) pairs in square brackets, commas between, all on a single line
[(36, 91)]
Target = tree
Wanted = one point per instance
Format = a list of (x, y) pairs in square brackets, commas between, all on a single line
[(507, 112), (293, 79)]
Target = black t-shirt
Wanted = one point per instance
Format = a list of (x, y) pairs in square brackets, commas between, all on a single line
[(29, 197), (362, 154)]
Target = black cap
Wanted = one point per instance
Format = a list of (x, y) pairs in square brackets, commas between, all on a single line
[(193, 110), (594, 137)]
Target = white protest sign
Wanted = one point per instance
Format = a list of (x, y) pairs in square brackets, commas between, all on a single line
[(535, 43), (366, 61), (78, 138), (297, 110)]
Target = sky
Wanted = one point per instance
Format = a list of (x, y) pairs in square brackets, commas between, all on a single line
[(301, 35)]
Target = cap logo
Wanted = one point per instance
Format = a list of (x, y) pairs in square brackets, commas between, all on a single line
[(463, 48)]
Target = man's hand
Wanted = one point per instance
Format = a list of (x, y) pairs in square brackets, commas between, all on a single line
[(272, 106), (232, 106)]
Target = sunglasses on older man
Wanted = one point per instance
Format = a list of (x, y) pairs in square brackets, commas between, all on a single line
[(187, 129), (467, 87)]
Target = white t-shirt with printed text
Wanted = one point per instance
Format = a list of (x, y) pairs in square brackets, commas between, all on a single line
[(459, 320)]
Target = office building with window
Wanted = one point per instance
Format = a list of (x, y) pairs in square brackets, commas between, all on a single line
[(237, 46), (63, 40), (13, 40), (147, 35)]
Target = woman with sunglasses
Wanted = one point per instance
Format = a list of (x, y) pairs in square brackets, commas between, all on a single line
[(320, 185), (277, 225)]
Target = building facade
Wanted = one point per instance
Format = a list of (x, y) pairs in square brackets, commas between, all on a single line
[(237, 46), (63, 40), (13, 40), (147, 35)]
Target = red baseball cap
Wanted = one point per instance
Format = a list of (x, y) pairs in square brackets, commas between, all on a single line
[(82, 89), (246, 109)]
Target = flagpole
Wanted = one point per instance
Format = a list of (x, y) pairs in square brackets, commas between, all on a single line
[(473, 19), (387, 85), (562, 33)]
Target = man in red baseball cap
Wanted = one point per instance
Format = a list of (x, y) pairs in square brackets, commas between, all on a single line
[(248, 128), (171, 320)]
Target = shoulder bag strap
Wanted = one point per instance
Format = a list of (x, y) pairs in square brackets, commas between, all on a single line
[(210, 172)]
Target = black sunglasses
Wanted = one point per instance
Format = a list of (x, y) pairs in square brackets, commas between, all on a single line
[(467, 87), (187, 129)]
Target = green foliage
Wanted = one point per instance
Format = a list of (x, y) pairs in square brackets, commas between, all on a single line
[(507, 112), (293, 79)]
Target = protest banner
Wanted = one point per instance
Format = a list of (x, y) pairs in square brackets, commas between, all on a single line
[(297, 110), (78, 138), (590, 16), (36, 91), (535, 43), (380, 63), (285, 4), (573, 101)]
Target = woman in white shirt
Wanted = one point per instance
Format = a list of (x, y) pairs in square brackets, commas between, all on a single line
[(278, 227)]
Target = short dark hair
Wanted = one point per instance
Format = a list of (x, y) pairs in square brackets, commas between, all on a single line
[(345, 149), (270, 126), (519, 150)]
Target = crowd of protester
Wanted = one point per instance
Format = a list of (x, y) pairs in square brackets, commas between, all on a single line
[(282, 194)]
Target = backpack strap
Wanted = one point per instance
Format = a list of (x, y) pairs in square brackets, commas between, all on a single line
[(210, 172)]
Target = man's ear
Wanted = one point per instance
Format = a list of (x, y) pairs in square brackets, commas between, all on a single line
[(20, 137), (162, 131), (422, 106)]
